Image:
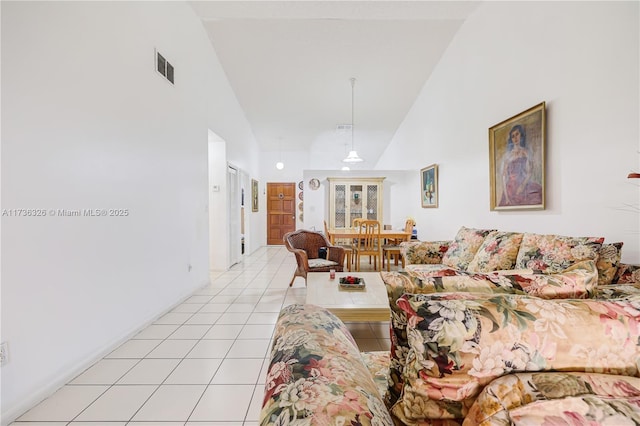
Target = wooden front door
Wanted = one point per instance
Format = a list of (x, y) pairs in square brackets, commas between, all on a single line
[(281, 211)]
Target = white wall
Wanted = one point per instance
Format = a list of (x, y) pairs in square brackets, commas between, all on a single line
[(218, 204), (227, 120), (579, 57), (88, 123), (294, 163)]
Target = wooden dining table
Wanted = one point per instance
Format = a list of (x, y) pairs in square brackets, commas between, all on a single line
[(397, 234)]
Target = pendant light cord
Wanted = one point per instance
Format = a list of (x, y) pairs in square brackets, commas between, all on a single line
[(353, 84), (353, 155)]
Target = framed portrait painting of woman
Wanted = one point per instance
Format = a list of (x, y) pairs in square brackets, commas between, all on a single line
[(516, 161)]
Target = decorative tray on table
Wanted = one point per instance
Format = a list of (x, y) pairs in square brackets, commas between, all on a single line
[(351, 283)]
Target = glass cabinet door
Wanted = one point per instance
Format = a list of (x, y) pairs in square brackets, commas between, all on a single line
[(340, 212), (372, 202), (355, 203)]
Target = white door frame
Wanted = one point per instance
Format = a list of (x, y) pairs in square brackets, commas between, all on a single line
[(234, 194)]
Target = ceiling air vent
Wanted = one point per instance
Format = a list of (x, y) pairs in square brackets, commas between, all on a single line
[(164, 67)]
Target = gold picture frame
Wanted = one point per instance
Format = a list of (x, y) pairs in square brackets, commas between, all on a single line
[(254, 195), (517, 161), (429, 186)]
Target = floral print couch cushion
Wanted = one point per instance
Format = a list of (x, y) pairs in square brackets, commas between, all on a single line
[(498, 251), (316, 375), (430, 270), (627, 274), (609, 257), (424, 252), (555, 253), (618, 291), (464, 247), (458, 344), (378, 364), (577, 281), (397, 285), (400, 350), (558, 399)]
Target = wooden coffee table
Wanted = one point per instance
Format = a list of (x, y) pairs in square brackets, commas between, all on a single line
[(368, 304)]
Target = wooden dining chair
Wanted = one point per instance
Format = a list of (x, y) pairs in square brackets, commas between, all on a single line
[(355, 224), (392, 248), (369, 243), (348, 248)]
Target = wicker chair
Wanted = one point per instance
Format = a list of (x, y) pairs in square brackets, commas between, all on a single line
[(306, 246)]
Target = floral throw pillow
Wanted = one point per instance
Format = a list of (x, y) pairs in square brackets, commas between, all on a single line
[(462, 250), (423, 252), (497, 252), (627, 274), (608, 261), (558, 399), (398, 284), (555, 253)]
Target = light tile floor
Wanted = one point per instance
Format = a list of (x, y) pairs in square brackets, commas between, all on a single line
[(202, 364)]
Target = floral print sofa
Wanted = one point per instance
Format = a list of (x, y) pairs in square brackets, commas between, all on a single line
[(548, 266), (470, 359), (492, 328)]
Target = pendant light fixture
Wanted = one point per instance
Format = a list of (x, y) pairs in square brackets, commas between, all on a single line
[(353, 155), (280, 164)]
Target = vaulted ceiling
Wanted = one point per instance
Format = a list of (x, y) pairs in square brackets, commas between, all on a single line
[(290, 65)]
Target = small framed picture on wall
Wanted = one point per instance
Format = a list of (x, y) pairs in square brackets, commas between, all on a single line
[(254, 195), (429, 186)]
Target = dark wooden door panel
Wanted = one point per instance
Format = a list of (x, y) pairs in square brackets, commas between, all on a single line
[(275, 205), (275, 220), (281, 205)]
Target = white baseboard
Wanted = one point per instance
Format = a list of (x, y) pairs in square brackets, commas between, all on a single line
[(63, 377)]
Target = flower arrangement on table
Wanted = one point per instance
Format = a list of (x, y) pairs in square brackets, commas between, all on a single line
[(351, 281)]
